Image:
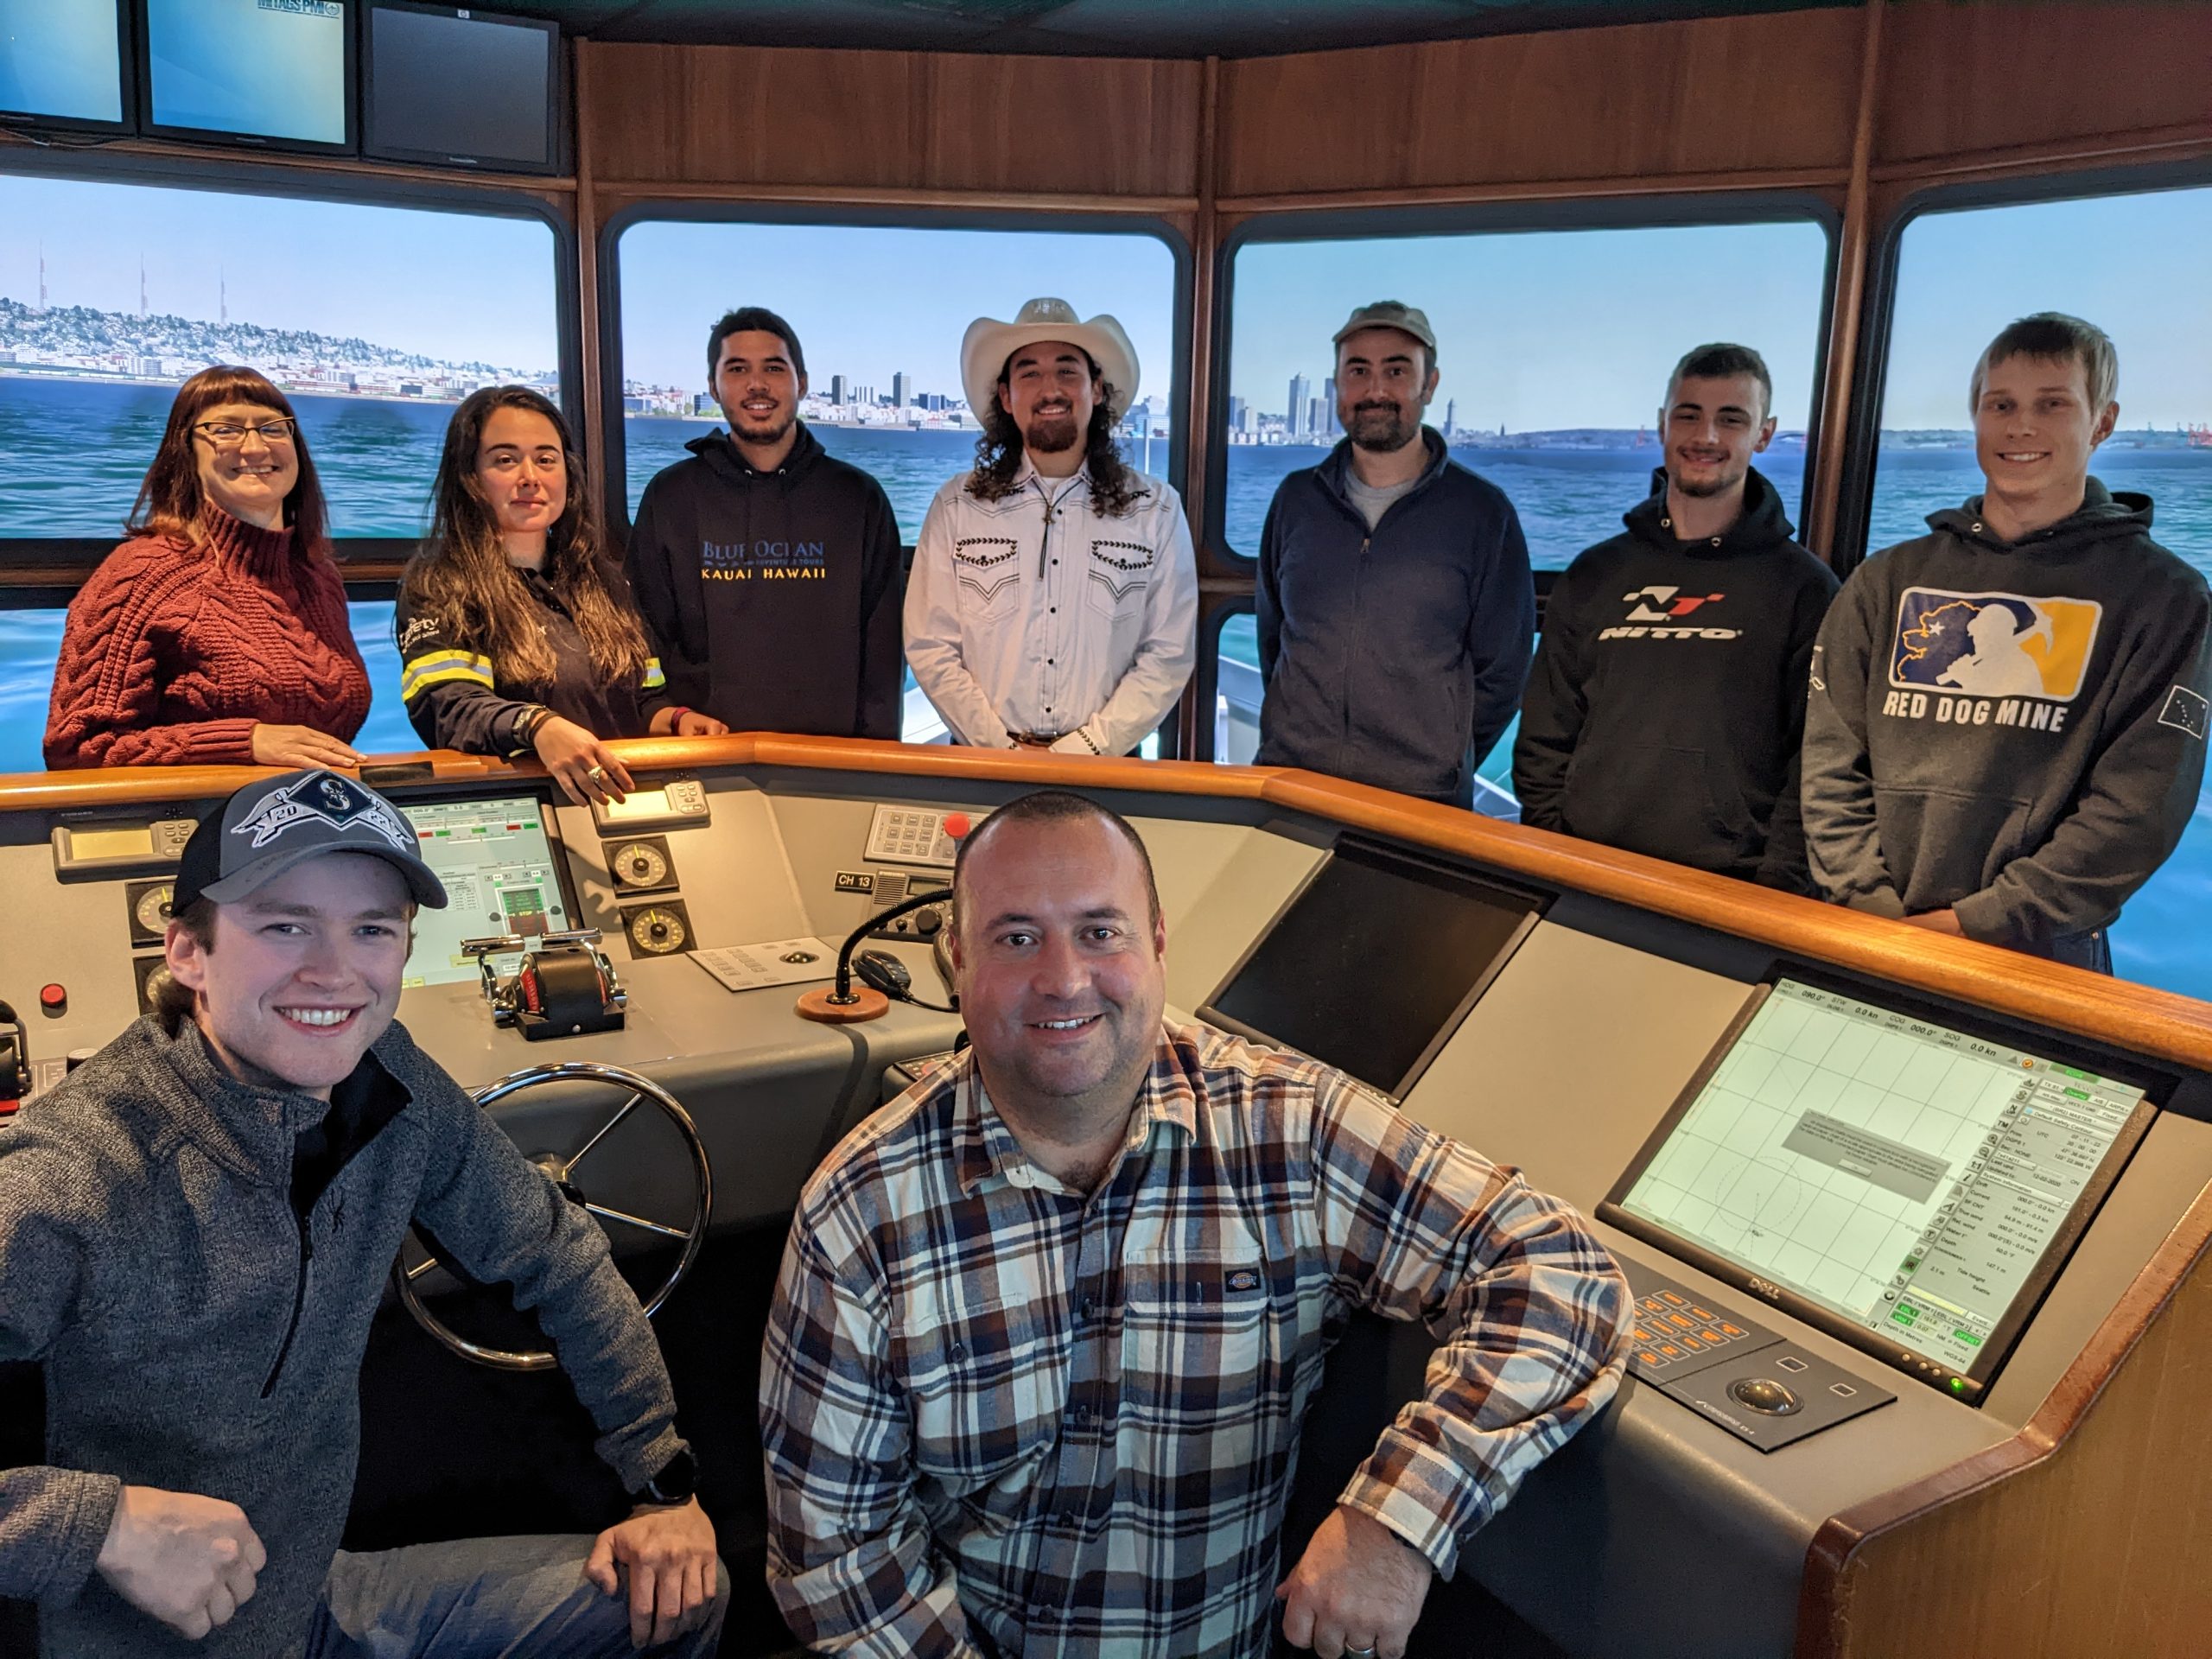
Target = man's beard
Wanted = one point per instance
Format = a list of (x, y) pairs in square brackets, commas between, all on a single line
[(1699, 489), (1050, 435), (778, 425), (1382, 429)]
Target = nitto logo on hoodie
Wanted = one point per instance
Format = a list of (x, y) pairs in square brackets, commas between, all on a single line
[(1658, 614)]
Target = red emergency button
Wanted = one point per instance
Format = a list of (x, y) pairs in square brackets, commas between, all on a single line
[(55, 999), (955, 825)]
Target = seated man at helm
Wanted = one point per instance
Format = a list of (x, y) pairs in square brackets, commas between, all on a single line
[(194, 1229), (1047, 1324)]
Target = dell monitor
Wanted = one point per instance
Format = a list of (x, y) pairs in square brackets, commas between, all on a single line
[(458, 87), (62, 64), (272, 73), (1373, 963), (1904, 1181)]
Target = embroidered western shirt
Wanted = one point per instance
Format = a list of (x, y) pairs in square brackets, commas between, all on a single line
[(1034, 613), (1002, 1416)]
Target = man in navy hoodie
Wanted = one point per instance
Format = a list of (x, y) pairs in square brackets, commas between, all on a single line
[(1394, 605), (2005, 733), (767, 571), (1668, 702)]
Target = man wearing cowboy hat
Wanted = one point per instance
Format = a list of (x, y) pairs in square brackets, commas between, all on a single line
[(1053, 601)]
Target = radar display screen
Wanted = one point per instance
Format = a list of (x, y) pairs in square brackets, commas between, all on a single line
[(1373, 963), (1907, 1186), (501, 866)]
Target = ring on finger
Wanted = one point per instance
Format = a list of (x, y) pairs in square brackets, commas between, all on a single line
[(597, 774)]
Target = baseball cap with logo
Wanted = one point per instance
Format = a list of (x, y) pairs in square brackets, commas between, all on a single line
[(1389, 314), (268, 827)]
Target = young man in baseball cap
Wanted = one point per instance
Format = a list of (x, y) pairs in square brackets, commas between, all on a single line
[(1394, 605), (194, 1229)]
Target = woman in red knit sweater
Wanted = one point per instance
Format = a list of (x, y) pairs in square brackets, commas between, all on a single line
[(217, 635)]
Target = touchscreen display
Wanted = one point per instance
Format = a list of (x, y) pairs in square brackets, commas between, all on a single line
[(501, 874), (1372, 966), (1918, 1183)]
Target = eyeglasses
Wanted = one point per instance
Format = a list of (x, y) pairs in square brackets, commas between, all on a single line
[(229, 434)]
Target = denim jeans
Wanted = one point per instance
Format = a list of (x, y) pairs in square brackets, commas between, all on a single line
[(486, 1598)]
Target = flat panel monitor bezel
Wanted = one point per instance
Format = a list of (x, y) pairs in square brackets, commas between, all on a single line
[(408, 799), (1971, 1384), (1358, 849), (350, 145), (372, 145), (126, 124)]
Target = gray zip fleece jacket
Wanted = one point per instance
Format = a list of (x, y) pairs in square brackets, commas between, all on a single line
[(197, 1337), (2014, 730)]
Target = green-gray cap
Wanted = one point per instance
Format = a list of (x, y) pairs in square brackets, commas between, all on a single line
[(1389, 314)]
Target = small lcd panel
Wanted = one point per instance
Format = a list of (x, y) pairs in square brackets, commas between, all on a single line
[(463, 87), (276, 71), (1373, 964), (503, 872), (1909, 1185), (61, 64)]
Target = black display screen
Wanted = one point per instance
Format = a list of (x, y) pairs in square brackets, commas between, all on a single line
[(1374, 963), (448, 86)]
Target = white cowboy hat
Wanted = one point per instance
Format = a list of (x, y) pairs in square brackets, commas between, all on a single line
[(988, 342)]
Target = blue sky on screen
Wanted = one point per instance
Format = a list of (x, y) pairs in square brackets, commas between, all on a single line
[(868, 302), (2133, 265), (457, 287), (1542, 329)]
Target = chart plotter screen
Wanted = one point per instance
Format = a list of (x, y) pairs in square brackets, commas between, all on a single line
[(1917, 1184), (502, 875)]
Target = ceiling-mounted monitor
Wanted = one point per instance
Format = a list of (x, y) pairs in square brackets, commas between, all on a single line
[(276, 74), (456, 87), (62, 65), (1906, 1178)]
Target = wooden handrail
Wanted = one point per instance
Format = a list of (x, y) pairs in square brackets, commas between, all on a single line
[(2159, 1025)]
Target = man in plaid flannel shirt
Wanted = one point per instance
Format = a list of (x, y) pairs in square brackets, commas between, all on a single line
[(1048, 1324)]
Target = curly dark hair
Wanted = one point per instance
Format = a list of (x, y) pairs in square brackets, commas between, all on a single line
[(1113, 488)]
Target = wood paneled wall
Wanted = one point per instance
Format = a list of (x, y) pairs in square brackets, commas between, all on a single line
[(1759, 94), (1959, 79), (733, 117)]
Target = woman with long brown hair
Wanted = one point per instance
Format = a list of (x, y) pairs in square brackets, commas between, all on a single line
[(217, 634), (516, 635)]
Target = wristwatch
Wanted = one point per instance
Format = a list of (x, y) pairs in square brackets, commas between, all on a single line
[(676, 1482)]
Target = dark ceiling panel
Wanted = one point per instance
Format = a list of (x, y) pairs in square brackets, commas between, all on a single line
[(1167, 28)]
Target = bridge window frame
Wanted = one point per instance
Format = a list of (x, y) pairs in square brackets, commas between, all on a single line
[(1505, 217)]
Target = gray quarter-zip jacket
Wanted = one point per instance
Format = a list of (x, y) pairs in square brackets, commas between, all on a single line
[(198, 1336)]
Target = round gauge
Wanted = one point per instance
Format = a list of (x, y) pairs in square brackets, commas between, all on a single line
[(151, 913), (656, 931), (637, 864)]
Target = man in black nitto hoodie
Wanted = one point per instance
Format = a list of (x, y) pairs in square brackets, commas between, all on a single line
[(768, 571), (1664, 712), (2006, 731)]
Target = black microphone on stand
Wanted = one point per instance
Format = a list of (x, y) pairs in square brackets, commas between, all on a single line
[(845, 1003)]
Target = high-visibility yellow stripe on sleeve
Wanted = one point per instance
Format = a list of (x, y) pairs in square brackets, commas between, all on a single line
[(440, 668), (655, 680)]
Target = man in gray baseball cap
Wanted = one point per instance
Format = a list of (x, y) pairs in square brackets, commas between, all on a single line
[(195, 1227), (1394, 608)]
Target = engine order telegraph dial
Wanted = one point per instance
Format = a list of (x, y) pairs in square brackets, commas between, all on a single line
[(641, 864), (657, 930), (149, 903)]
